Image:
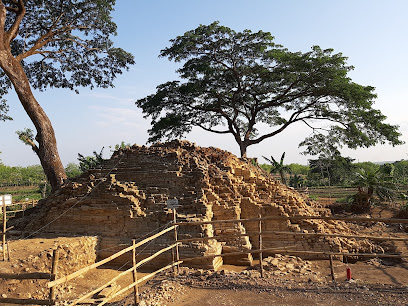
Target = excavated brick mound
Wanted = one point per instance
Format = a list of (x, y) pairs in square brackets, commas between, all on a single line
[(126, 199)]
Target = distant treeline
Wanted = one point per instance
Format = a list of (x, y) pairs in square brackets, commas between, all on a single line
[(339, 171), (30, 175)]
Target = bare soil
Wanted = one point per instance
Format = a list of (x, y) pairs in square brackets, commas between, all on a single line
[(375, 281)]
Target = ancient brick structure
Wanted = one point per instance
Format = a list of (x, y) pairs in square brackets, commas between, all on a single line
[(126, 199)]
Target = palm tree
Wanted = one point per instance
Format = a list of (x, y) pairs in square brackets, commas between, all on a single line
[(279, 167), (369, 182)]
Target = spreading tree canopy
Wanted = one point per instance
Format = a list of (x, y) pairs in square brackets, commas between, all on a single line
[(62, 44), (242, 83)]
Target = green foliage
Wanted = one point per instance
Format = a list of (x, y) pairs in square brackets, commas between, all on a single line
[(368, 183), (118, 146), (4, 110), (74, 39), (367, 166), (401, 172), (233, 81), (31, 175), (44, 189), (279, 167), (90, 162), (22, 193), (299, 169), (72, 170), (297, 181), (331, 169)]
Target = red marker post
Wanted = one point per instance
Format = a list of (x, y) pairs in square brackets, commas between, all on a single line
[(348, 270)]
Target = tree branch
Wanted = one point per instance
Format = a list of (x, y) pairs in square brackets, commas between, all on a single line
[(20, 12), (211, 130)]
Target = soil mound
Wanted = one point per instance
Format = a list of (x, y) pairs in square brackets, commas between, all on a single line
[(126, 199)]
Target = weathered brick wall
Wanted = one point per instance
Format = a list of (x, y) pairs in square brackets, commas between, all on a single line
[(126, 199)]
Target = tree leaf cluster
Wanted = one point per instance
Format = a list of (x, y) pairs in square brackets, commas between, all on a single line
[(231, 82), (65, 44), (90, 162)]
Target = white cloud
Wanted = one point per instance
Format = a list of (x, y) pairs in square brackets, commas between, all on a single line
[(108, 116)]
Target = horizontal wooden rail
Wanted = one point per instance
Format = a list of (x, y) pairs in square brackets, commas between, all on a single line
[(104, 261), (14, 211), (269, 233), (346, 254), (214, 237), (122, 274), (7, 229), (297, 218), (34, 275), (277, 250), (284, 250), (275, 233), (141, 280), (25, 301)]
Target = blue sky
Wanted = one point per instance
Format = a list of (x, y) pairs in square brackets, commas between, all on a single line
[(372, 34)]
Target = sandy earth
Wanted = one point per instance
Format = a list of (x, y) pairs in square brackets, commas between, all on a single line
[(375, 281), (372, 285)]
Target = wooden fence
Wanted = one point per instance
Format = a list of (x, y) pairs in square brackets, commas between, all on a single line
[(136, 282), (286, 250), (4, 212), (35, 276), (177, 261)]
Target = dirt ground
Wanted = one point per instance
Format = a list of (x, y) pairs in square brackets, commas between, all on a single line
[(374, 281)]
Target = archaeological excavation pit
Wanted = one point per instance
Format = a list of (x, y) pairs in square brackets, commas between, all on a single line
[(126, 198)]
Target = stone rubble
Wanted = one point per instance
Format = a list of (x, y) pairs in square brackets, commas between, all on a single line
[(126, 199)]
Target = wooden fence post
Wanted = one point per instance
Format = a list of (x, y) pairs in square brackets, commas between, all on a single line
[(135, 288), (260, 245), (54, 269), (8, 249), (4, 228), (332, 269), (175, 239)]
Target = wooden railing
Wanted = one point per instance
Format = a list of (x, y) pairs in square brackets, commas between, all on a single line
[(286, 250), (133, 269), (177, 261), (34, 276)]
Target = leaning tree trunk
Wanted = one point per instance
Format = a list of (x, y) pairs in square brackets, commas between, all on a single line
[(47, 144)]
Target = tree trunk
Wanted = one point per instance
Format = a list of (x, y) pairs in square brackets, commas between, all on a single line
[(243, 149), (47, 144)]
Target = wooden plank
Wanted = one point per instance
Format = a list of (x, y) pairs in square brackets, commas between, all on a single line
[(271, 233), (297, 218), (4, 229), (267, 233), (284, 250), (25, 301), (104, 261), (121, 274), (144, 278), (332, 269), (54, 270), (14, 211), (345, 254), (209, 238), (175, 239), (277, 250), (34, 275), (260, 247), (7, 229), (134, 274)]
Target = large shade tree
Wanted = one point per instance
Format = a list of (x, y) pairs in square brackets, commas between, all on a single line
[(61, 44), (242, 83)]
